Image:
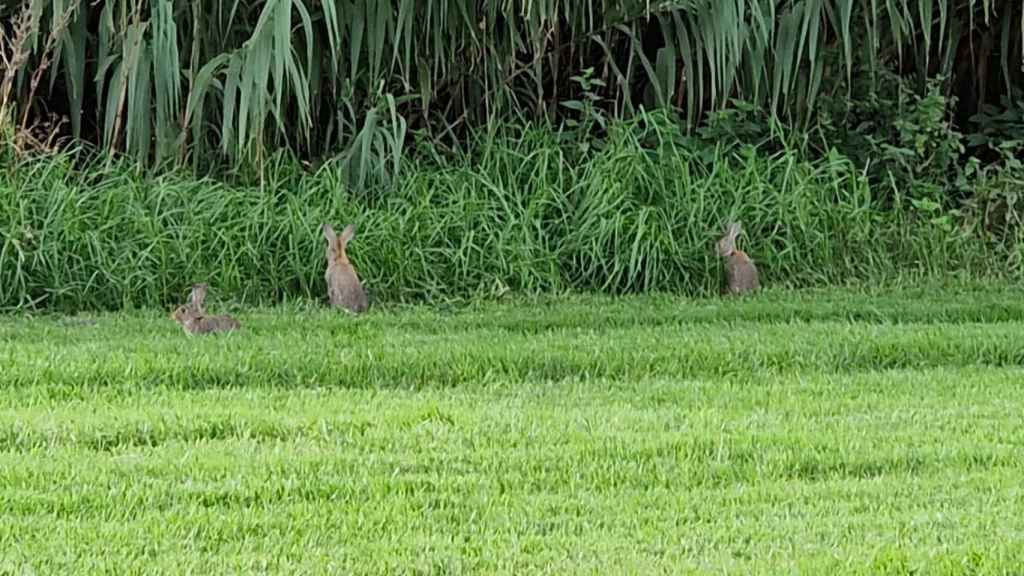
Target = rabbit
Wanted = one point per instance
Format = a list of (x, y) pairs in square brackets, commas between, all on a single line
[(343, 286), (740, 272), (194, 320)]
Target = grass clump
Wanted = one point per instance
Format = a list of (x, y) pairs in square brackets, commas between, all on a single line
[(524, 213)]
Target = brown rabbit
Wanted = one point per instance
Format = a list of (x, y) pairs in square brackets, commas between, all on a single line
[(343, 286), (740, 272), (194, 320)]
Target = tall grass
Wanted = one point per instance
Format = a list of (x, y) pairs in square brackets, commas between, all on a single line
[(526, 212)]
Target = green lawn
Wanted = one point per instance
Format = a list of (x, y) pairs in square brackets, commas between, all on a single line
[(831, 432)]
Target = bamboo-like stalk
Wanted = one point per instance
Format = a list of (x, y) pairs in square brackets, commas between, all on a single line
[(343, 77)]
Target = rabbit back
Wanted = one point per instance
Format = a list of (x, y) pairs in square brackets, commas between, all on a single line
[(194, 322), (741, 274), (344, 288), (210, 324)]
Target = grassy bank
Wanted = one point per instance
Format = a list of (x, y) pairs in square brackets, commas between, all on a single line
[(525, 213), (841, 432)]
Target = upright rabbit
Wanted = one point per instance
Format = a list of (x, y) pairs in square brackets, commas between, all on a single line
[(343, 286), (194, 320), (740, 272)]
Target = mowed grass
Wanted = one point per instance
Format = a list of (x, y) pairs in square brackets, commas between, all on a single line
[(836, 432)]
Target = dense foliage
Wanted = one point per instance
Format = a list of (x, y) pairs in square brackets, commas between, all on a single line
[(167, 80)]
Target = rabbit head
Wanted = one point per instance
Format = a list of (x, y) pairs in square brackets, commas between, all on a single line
[(184, 313), (181, 312), (727, 244)]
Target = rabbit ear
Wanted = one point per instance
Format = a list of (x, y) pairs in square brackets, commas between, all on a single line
[(727, 244), (328, 231), (734, 230), (198, 295), (347, 234)]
